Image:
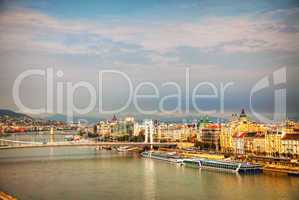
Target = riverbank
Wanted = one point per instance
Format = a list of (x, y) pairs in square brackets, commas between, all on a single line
[(281, 170)]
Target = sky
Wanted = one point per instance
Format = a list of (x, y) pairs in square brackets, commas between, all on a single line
[(152, 41)]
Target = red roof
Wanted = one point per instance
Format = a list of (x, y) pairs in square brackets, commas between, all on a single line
[(291, 136), (213, 126), (239, 135)]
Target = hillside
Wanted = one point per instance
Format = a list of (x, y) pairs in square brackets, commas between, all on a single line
[(10, 113)]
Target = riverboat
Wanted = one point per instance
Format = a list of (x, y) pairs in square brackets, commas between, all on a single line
[(169, 157), (231, 166)]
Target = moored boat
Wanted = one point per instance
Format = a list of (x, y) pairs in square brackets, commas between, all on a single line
[(169, 157), (126, 149), (122, 149), (223, 165)]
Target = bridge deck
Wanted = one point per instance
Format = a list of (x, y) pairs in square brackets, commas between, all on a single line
[(21, 144)]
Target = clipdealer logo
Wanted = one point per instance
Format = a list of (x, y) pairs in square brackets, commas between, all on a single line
[(186, 97), (279, 81)]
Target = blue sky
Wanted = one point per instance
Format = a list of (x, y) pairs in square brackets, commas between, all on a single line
[(165, 10), (220, 41)]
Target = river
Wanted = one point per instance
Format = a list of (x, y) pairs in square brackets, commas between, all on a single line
[(85, 173), (39, 136)]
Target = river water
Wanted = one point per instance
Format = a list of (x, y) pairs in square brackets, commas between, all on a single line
[(38, 137), (85, 173)]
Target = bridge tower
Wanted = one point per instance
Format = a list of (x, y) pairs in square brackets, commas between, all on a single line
[(52, 135), (148, 131), (145, 137)]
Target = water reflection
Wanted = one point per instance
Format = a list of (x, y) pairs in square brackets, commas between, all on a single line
[(149, 179), (39, 136), (84, 173)]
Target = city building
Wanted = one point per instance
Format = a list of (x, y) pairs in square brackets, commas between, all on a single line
[(239, 133), (290, 144), (210, 136), (282, 139), (226, 139), (259, 144), (273, 142)]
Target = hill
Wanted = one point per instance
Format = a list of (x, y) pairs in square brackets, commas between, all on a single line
[(10, 113)]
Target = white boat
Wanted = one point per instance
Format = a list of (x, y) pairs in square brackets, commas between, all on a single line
[(169, 157), (125, 148), (231, 166)]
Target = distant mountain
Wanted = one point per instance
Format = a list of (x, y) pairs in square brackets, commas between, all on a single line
[(93, 119), (56, 117), (170, 119), (60, 117), (10, 113)]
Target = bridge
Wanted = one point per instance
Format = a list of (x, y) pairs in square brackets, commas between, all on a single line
[(12, 144)]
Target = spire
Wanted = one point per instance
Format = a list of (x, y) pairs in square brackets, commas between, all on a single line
[(243, 113), (114, 119)]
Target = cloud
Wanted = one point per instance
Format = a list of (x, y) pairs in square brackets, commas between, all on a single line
[(32, 30)]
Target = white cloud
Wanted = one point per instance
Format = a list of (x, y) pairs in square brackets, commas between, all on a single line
[(31, 30)]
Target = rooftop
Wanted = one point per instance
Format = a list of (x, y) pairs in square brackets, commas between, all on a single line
[(291, 136)]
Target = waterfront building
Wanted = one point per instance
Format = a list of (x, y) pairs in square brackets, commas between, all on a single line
[(175, 132), (238, 143), (210, 136), (249, 142), (254, 142), (191, 132), (200, 125), (104, 128), (290, 144), (226, 139), (129, 126), (137, 129), (117, 128), (289, 139), (283, 139), (162, 133), (258, 144), (273, 142), (148, 130), (239, 133)]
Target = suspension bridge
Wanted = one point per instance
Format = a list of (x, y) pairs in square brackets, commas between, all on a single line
[(13, 144)]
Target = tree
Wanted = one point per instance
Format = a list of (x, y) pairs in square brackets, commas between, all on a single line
[(197, 143)]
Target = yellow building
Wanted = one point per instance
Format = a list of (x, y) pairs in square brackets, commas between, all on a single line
[(273, 143), (175, 132), (283, 139), (226, 139), (233, 134), (259, 145), (290, 144), (289, 139)]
